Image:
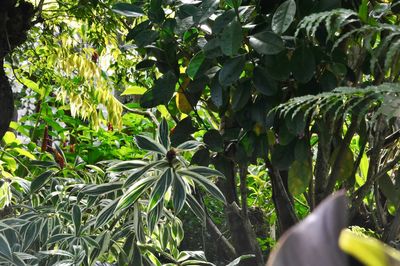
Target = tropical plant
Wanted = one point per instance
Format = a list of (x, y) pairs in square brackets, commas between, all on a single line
[(288, 101)]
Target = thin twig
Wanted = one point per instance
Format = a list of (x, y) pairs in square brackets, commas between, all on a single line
[(147, 114)]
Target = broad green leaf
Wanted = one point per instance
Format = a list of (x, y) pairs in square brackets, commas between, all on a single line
[(217, 94), (389, 189), (263, 82), (9, 138), (59, 238), (240, 259), (160, 188), (45, 164), (277, 66), (231, 38), (206, 171), (126, 165), (299, 176), (5, 248), (30, 234), (163, 133), (207, 184), (201, 157), (179, 194), (267, 42), (195, 64), (154, 216), (283, 16), (303, 64), (95, 190), (134, 90), (24, 256), (90, 242), (207, 8), (212, 48), (240, 95), (231, 70), (128, 10), (233, 3), (41, 180), (5, 194), (195, 207), (145, 37), (58, 252), (106, 213), (141, 171), (77, 219), (182, 131), (189, 145), (222, 20), (96, 169), (161, 92), (196, 262), (156, 12), (33, 86), (214, 140), (149, 144), (134, 192)]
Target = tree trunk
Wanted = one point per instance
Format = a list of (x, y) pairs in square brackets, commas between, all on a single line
[(283, 204), (15, 20)]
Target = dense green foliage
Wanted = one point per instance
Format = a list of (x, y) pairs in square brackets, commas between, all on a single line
[(186, 132)]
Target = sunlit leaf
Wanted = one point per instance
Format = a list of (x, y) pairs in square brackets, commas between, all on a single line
[(135, 175), (128, 10), (207, 184), (134, 192), (126, 165), (41, 180), (106, 213), (267, 42), (160, 188), (179, 194), (283, 16), (149, 144)]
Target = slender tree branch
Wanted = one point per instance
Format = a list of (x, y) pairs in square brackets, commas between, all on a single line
[(340, 158), (363, 190), (243, 189), (381, 218), (220, 238)]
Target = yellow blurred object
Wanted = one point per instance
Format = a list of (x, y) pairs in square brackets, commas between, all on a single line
[(258, 129), (369, 251)]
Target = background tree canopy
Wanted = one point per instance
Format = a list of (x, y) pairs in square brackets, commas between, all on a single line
[(184, 132)]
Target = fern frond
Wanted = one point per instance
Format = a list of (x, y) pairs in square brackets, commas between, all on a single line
[(382, 99), (387, 46), (333, 20)]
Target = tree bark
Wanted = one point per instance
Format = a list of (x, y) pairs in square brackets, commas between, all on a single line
[(15, 21), (283, 204), (6, 102)]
